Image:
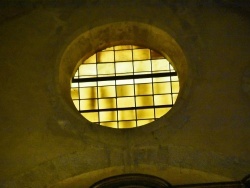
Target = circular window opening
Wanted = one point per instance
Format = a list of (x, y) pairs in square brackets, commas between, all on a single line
[(124, 86)]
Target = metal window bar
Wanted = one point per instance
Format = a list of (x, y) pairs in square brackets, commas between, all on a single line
[(98, 105), (171, 87), (126, 108), (106, 78), (116, 102), (134, 90)]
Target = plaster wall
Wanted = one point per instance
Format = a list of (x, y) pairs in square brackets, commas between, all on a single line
[(45, 142)]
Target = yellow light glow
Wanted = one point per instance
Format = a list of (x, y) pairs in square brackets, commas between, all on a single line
[(124, 55), (141, 54), (130, 101)]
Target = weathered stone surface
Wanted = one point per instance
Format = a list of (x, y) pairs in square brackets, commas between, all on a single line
[(45, 142)]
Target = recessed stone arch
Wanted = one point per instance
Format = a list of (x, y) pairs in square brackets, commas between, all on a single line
[(121, 33)]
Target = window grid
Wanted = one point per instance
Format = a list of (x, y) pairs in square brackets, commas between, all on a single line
[(97, 91), (79, 102), (119, 68), (171, 89), (134, 91), (116, 102)]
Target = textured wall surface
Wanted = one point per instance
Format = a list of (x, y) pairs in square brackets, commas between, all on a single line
[(45, 142)]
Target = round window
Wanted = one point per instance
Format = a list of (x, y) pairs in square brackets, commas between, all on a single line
[(124, 86)]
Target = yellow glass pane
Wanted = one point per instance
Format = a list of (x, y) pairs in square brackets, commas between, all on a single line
[(160, 88), (126, 115), (123, 47), (88, 104), (74, 93), (159, 112), (125, 102), (106, 91), (76, 74), (175, 87), (106, 68), (106, 83), (125, 90), (145, 114), (142, 66), (105, 56), (143, 89), (174, 97), (108, 116), (124, 82), (156, 55), (76, 103), (144, 122), (107, 103), (91, 116), (91, 59), (141, 54), (89, 92), (160, 65), (110, 124), (124, 55), (171, 68), (124, 67), (87, 84), (174, 78), (163, 99), (74, 85), (143, 80), (127, 124), (144, 101), (87, 70), (162, 79)]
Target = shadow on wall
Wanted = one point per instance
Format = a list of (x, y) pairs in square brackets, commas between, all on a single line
[(147, 181)]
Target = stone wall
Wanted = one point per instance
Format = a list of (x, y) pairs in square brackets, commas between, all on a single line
[(46, 142)]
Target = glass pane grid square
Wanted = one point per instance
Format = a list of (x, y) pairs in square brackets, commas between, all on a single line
[(88, 104), (106, 91), (86, 70), (126, 115), (106, 56), (125, 90), (124, 55), (127, 124), (102, 69), (141, 54), (125, 102), (107, 103), (108, 116), (91, 59), (124, 67)]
